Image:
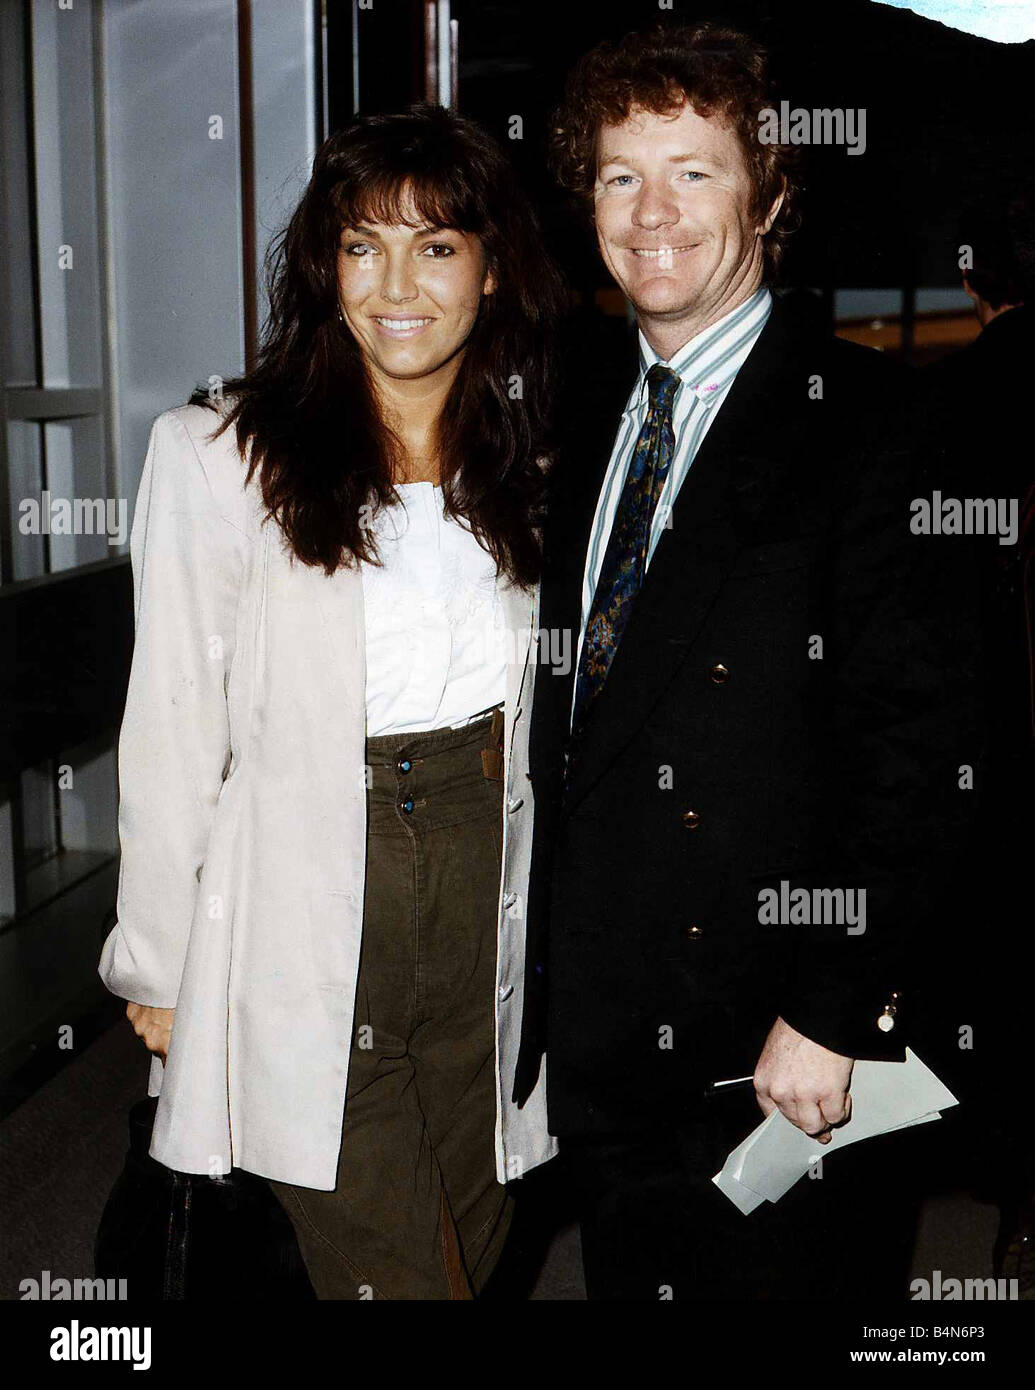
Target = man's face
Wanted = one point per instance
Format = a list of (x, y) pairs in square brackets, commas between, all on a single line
[(673, 217)]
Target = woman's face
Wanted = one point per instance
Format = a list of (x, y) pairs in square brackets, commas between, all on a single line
[(410, 295)]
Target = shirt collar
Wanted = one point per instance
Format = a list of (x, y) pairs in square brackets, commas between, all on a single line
[(712, 358)]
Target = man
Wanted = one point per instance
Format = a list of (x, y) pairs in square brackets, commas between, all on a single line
[(756, 704)]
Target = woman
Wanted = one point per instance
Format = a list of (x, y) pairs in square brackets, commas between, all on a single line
[(312, 928)]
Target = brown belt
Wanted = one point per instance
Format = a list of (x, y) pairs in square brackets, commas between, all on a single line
[(492, 757)]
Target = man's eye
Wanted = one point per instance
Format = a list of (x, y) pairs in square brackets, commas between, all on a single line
[(440, 249), (618, 179), (693, 174)]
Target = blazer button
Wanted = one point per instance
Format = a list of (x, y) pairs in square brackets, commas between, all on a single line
[(404, 765), (694, 933), (407, 806), (719, 674), (691, 819)]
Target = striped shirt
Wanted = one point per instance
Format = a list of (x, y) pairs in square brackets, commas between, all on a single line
[(707, 366)]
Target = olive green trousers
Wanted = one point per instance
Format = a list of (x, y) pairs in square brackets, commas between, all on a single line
[(417, 1212)]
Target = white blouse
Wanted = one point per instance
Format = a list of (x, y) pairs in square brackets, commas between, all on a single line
[(435, 636)]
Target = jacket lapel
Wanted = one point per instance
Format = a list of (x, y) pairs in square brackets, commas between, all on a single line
[(519, 608), (739, 463), (339, 598)]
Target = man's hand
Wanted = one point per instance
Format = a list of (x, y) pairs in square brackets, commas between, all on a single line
[(153, 1025), (809, 1083)]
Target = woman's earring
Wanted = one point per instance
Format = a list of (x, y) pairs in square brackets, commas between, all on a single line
[(341, 316)]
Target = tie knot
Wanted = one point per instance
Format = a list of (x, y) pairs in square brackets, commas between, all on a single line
[(662, 384)]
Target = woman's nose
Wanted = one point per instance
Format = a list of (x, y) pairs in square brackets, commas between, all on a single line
[(399, 284)]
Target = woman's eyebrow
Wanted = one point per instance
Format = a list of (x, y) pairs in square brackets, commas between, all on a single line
[(362, 229)]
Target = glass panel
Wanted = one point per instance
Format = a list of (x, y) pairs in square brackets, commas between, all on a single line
[(945, 323), (175, 207), (87, 789), (870, 317), (25, 476), (39, 823), (66, 193), (16, 289), (6, 861), (938, 300), (80, 513)]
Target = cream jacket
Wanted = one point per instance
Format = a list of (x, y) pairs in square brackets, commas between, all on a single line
[(242, 821)]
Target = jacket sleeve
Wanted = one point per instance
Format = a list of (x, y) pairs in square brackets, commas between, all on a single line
[(174, 744), (905, 721)]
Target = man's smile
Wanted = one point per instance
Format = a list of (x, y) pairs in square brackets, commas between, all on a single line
[(663, 252)]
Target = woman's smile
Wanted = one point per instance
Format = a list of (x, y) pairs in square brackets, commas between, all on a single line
[(396, 327)]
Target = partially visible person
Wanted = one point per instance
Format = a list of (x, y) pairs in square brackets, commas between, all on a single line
[(975, 415)]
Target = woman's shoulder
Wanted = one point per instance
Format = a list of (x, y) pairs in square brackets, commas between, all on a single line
[(192, 432)]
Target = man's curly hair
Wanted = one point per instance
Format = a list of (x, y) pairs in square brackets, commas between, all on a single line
[(717, 70)]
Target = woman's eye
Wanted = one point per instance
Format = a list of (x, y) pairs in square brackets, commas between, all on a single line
[(358, 249), (618, 179), (440, 250)]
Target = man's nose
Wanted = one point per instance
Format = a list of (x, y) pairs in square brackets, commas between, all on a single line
[(655, 207)]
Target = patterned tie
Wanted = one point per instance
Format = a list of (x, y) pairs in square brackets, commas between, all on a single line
[(625, 560)]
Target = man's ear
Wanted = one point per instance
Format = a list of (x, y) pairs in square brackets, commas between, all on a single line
[(773, 212)]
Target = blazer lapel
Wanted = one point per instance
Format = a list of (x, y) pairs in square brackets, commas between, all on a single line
[(729, 482), (339, 598), (519, 607)]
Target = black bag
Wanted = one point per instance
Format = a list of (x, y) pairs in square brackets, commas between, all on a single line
[(174, 1235)]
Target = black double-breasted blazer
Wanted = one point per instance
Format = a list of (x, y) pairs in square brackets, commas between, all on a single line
[(786, 706)]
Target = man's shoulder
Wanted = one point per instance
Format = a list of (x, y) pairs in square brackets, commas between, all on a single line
[(867, 365), (845, 366)]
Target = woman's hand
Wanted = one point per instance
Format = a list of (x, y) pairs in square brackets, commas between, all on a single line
[(153, 1025)]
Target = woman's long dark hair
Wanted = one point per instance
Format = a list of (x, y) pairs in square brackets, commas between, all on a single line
[(308, 406)]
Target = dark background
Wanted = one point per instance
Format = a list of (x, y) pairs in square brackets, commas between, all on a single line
[(946, 115)]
